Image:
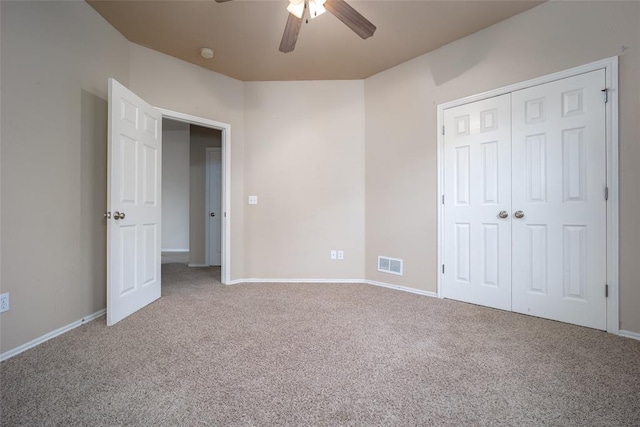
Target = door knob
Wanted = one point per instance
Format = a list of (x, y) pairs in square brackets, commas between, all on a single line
[(212, 214), (118, 215), (519, 214), (503, 214)]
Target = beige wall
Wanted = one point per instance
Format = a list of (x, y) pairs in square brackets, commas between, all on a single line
[(401, 126), (304, 159), (200, 139), (175, 186), (56, 58), (176, 85)]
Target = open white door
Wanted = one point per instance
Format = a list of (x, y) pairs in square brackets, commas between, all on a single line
[(133, 202)]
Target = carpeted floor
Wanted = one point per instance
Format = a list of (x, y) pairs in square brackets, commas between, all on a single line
[(318, 354)]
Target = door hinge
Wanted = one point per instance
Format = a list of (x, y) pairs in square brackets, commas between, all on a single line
[(606, 193), (443, 130), (442, 268), (443, 199), (107, 215), (606, 291), (605, 93)]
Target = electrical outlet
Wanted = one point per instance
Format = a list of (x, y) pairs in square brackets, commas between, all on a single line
[(340, 254), (334, 255), (4, 302)]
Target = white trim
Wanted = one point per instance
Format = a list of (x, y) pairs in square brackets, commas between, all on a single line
[(586, 68), (46, 337), (610, 65), (336, 281), (613, 233), (260, 280), (198, 265), (439, 198), (629, 334), (175, 250), (225, 128), (207, 201), (402, 288)]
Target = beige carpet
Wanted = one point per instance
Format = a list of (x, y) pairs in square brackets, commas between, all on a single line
[(307, 354)]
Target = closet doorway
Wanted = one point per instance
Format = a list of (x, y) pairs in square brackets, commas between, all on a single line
[(526, 178)]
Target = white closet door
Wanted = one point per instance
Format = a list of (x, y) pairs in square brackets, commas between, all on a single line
[(559, 158), (477, 164)]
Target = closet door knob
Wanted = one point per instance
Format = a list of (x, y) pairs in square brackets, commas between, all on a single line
[(118, 215), (519, 214), (503, 214)]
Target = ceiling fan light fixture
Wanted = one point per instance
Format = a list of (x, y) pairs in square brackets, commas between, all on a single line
[(296, 8), (316, 8)]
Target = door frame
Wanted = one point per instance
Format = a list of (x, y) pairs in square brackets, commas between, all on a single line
[(610, 65), (207, 201), (225, 129)]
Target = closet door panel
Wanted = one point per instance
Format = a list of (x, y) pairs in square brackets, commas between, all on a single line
[(559, 177), (477, 184)]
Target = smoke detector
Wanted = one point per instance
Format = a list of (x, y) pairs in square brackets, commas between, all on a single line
[(206, 53)]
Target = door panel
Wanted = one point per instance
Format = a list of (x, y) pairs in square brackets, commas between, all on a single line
[(134, 174), (559, 177), (214, 185), (477, 187)]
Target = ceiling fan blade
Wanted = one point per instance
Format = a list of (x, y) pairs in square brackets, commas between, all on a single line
[(351, 18), (290, 36)]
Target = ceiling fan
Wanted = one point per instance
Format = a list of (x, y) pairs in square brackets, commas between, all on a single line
[(313, 8)]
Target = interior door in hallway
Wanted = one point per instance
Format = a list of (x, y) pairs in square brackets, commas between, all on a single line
[(134, 190), (214, 201), (559, 179), (477, 204)]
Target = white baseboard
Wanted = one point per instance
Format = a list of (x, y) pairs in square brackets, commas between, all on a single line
[(258, 280), (46, 337), (175, 250), (629, 334), (198, 265), (402, 288), (367, 282)]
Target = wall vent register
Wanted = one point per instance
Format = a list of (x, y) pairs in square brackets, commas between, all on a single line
[(390, 265)]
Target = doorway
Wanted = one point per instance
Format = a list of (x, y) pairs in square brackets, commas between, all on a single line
[(134, 199), (205, 134), (189, 187)]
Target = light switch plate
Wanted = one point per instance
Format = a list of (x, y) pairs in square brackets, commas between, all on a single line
[(253, 200), (333, 254), (340, 254)]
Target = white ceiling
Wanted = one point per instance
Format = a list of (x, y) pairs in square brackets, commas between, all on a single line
[(245, 34)]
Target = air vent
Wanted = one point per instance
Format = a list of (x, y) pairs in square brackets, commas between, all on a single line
[(390, 265)]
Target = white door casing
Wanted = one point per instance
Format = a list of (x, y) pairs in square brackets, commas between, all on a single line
[(225, 130), (133, 190), (559, 179), (477, 186), (564, 162), (214, 212)]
